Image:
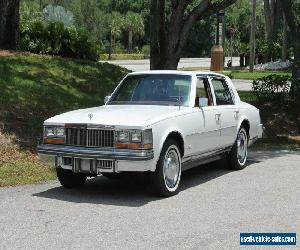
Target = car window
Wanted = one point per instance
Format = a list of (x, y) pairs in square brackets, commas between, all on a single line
[(222, 92), (202, 90), (153, 89)]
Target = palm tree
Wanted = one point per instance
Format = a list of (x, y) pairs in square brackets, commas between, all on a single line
[(134, 25), (116, 22)]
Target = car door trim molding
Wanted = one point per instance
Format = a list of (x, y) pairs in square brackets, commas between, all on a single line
[(204, 158), (207, 153)]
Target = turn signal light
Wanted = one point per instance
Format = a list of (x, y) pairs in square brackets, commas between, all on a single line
[(50, 140)]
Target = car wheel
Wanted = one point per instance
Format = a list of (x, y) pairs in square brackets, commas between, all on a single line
[(237, 157), (68, 179), (166, 178), (112, 176)]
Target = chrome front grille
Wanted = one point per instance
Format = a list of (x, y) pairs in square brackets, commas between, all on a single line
[(102, 138)]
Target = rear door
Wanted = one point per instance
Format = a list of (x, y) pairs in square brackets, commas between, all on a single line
[(228, 111), (207, 124)]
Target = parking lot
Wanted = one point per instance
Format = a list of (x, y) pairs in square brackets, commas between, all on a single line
[(212, 208)]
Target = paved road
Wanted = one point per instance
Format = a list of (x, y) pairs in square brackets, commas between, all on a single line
[(141, 65), (213, 207)]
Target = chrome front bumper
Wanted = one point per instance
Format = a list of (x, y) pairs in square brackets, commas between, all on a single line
[(93, 161), (105, 153)]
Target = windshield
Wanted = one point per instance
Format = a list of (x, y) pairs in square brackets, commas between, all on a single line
[(153, 89)]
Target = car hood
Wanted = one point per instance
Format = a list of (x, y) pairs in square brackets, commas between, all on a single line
[(117, 115)]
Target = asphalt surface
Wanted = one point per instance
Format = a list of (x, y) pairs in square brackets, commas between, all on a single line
[(142, 65), (212, 208)]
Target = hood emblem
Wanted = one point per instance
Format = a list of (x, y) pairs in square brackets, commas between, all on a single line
[(90, 116)]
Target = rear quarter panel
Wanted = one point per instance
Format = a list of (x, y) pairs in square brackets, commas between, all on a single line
[(251, 114)]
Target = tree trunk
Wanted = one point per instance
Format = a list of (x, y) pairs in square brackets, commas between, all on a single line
[(273, 16), (296, 67), (130, 37), (9, 23), (267, 14), (284, 40), (294, 27), (252, 38), (157, 35), (110, 45)]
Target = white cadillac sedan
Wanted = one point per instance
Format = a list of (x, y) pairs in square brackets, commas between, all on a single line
[(157, 122)]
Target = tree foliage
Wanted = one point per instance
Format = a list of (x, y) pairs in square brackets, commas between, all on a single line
[(170, 30), (134, 26)]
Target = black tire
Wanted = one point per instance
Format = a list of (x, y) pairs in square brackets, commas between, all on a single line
[(236, 162), (68, 179), (112, 176), (158, 180)]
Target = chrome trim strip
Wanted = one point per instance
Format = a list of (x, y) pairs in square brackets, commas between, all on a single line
[(106, 153), (211, 152)]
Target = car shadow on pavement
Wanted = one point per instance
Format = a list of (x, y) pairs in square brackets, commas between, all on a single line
[(131, 190)]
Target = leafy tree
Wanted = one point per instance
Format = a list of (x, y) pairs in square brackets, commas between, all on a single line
[(238, 22), (134, 25), (116, 23), (169, 33), (200, 39)]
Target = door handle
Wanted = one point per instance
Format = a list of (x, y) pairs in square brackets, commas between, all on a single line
[(218, 117), (236, 114)]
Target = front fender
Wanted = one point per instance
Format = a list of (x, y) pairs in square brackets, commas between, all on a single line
[(161, 137)]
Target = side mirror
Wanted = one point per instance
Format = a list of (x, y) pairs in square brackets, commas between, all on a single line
[(106, 98), (203, 102)]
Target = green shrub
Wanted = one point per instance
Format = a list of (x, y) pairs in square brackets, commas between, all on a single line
[(272, 88), (273, 49), (146, 51), (56, 39)]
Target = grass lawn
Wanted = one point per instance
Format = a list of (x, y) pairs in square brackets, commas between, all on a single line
[(243, 74), (246, 75), (22, 167), (34, 88), (265, 144)]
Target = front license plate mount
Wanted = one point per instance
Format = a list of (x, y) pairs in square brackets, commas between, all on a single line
[(105, 166), (93, 166)]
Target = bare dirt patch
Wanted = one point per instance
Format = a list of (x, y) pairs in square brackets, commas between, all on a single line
[(13, 53)]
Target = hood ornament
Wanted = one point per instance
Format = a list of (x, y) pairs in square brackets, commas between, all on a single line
[(90, 116)]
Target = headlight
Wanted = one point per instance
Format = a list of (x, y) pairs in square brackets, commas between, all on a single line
[(134, 139), (54, 131), (123, 136), (136, 136), (49, 131), (60, 132)]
